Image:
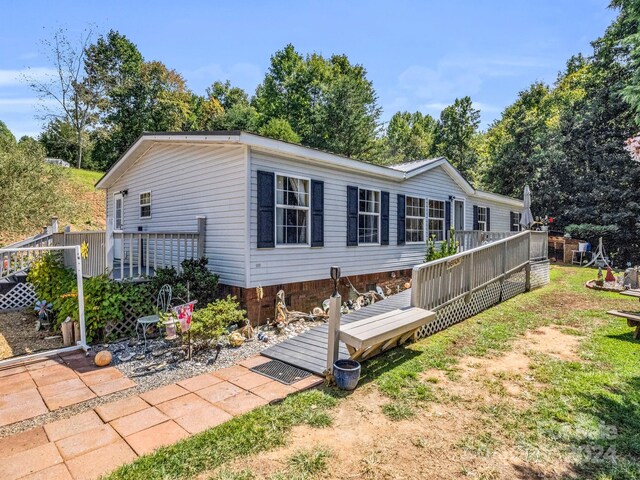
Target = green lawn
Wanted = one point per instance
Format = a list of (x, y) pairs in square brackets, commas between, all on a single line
[(86, 178), (583, 412)]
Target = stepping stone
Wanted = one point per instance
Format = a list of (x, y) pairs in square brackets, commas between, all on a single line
[(53, 374), (163, 394), (148, 440), (241, 403), (250, 380), (70, 397), (231, 372), (199, 382), (71, 426), (22, 441), (254, 361), (219, 392), (15, 407), (121, 408), (136, 422), (86, 441), (100, 376), (16, 383), (56, 472), (112, 386), (182, 405), (29, 461), (202, 419), (273, 391), (94, 464)]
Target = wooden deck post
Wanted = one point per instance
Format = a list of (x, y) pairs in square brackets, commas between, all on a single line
[(335, 304), (202, 230)]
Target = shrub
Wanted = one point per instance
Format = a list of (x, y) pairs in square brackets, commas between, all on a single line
[(209, 323), (194, 282), (103, 297), (447, 248)]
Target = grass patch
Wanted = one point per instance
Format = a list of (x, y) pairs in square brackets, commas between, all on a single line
[(259, 430), (398, 411), (309, 462)]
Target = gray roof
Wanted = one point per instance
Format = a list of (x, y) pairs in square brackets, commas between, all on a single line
[(410, 166)]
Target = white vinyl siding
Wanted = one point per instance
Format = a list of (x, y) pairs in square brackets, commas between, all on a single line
[(414, 219), (436, 220), (187, 181), (292, 210), (368, 216)]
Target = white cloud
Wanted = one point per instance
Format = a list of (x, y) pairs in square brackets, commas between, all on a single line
[(18, 77), (24, 105)]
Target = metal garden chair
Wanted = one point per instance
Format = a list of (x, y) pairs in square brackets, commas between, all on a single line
[(163, 304)]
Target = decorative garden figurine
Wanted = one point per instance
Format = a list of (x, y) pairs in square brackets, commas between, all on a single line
[(609, 277), (43, 309)]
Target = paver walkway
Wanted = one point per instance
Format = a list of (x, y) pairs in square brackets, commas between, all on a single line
[(96, 442), (39, 386)]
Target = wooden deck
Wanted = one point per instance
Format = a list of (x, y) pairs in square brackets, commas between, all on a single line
[(309, 350)]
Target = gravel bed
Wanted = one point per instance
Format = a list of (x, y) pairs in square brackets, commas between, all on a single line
[(148, 372)]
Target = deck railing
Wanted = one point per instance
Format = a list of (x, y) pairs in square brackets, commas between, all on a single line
[(468, 239), (539, 245), (93, 253), (20, 256), (438, 283), (137, 254)]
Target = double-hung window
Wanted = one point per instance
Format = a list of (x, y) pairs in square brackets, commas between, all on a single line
[(368, 216), (292, 210), (482, 219), (515, 221), (436, 219), (145, 205), (414, 219)]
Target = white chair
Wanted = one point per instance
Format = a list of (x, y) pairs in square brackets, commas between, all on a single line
[(163, 304)]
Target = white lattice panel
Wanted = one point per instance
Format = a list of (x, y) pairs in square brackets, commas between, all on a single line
[(539, 273), (462, 309), (21, 295)]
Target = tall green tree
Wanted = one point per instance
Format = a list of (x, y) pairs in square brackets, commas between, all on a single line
[(328, 102), (457, 129), (411, 136)]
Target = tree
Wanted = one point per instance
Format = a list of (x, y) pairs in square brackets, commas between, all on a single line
[(457, 129), (136, 96), (7, 140), (411, 136), (75, 102), (280, 130), (328, 102), (59, 141)]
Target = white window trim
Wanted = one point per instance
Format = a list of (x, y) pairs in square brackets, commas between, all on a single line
[(424, 220), (517, 224), (275, 216), (464, 212), (140, 205), (113, 224), (443, 218), (379, 214), (484, 229)]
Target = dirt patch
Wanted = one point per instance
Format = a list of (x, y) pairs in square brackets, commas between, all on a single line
[(448, 439), (18, 335)]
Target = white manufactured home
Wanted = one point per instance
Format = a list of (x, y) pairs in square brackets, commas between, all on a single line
[(270, 213)]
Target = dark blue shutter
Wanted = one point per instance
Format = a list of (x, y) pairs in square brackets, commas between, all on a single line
[(488, 219), (447, 219), (317, 213), (401, 219), (352, 216), (266, 210), (476, 226), (384, 218)]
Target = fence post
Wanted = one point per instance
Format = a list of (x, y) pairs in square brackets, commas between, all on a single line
[(202, 231), (54, 224), (527, 268), (335, 304)]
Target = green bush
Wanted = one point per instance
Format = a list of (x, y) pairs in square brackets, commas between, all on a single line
[(211, 322), (103, 297), (447, 247), (194, 282)]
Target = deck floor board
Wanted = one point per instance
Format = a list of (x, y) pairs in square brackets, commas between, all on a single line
[(309, 350)]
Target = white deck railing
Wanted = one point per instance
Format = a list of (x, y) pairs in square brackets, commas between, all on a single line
[(468, 239), (18, 256), (438, 283), (137, 254)]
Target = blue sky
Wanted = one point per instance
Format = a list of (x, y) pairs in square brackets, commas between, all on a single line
[(419, 55)]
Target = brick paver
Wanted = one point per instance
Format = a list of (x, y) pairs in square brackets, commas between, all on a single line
[(121, 408), (69, 397), (91, 444), (16, 383), (112, 386), (148, 440)]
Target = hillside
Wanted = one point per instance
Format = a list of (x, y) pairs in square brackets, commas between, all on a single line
[(81, 206)]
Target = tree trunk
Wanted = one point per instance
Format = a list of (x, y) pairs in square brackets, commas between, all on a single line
[(79, 149)]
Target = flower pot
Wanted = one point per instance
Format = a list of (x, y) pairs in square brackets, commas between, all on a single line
[(346, 374)]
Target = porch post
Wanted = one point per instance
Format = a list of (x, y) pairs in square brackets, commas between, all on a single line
[(202, 231), (335, 304)]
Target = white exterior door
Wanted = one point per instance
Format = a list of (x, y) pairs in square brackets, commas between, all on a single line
[(458, 215), (118, 224)]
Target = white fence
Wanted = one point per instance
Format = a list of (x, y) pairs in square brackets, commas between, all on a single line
[(468, 239), (17, 257)]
